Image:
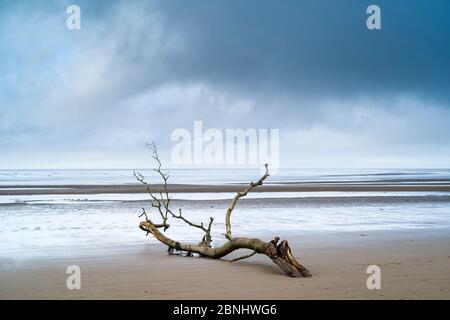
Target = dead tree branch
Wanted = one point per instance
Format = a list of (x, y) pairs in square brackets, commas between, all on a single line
[(280, 254), (244, 257), (162, 203), (240, 195)]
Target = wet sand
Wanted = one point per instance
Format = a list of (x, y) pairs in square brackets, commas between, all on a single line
[(414, 265), (412, 186)]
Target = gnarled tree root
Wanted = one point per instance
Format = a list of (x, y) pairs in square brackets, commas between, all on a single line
[(280, 254)]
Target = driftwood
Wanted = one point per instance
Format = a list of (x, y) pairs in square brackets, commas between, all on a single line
[(278, 252)]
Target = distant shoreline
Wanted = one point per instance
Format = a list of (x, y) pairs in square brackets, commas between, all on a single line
[(388, 186)]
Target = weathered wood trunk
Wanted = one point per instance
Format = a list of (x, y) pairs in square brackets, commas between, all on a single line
[(280, 254)]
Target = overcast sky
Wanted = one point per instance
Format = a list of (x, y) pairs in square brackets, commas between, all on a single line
[(341, 95)]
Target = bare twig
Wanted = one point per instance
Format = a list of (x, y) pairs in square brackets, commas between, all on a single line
[(237, 197), (162, 201), (244, 257)]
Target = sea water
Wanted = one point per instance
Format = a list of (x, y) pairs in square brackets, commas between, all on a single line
[(45, 224)]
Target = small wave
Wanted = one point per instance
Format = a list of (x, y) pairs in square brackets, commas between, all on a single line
[(378, 174)]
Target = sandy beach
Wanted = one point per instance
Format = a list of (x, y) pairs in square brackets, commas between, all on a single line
[(414, 265), (336, 228)]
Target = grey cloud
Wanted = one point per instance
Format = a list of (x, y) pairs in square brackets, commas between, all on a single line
[(138, 70)]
